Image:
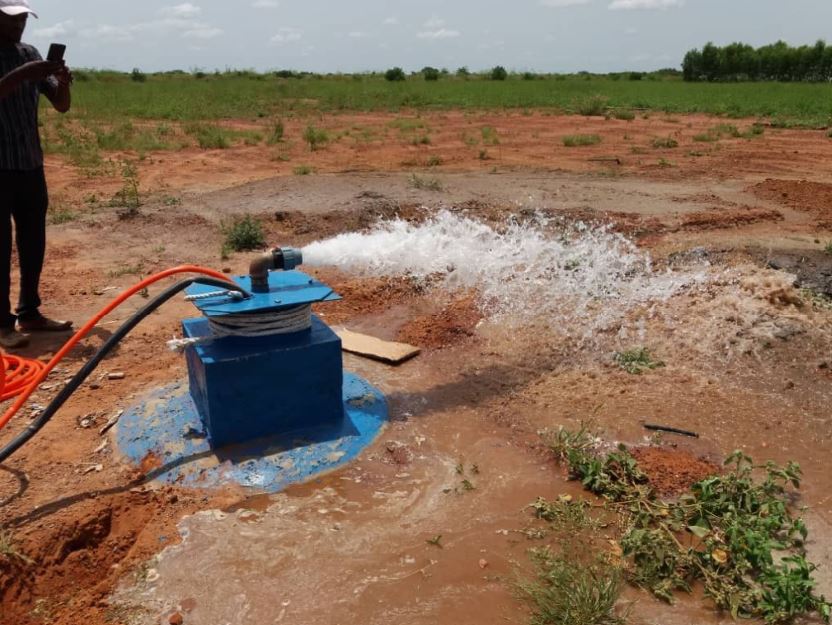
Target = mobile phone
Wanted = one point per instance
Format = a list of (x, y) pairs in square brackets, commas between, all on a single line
[(56, 52)]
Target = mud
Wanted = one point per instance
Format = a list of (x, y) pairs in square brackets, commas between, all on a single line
[(747, 366)]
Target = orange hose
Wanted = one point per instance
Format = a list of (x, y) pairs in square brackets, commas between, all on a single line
[(33, 381), (18, 375)]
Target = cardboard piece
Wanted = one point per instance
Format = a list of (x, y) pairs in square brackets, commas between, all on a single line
[(376, 349)]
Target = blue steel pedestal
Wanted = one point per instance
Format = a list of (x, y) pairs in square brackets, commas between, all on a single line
[(165, 432), (260, 412)]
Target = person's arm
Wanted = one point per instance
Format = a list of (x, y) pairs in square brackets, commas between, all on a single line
[(33, 71), (57, 89)]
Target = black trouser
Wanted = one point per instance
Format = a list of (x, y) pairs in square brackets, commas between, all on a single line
[(24, 198)]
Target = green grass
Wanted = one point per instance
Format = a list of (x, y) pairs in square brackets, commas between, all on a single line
[(110, 96), (665, 143), (571, 141), (429, 184), (637, 360)]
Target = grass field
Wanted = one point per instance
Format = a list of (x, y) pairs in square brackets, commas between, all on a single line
[(184, 97)]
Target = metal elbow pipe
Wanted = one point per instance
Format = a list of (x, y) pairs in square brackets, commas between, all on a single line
[(280, 258)]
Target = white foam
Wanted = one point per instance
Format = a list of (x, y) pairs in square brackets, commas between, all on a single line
[(536, 269)]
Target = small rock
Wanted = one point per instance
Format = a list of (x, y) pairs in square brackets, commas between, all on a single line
[(116, 375), (483, 563), (789, 385), (95, 386), (176, 619)]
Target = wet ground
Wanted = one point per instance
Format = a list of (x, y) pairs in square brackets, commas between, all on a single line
[(748, 365)]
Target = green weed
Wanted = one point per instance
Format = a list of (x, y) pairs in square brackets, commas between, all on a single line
[(665, 143), (316, 138), (9, 549), (243, 234), (743, 542), (303, 170), (568, 590), (434, 161), (128, 197), (425, 183), (594, 106), (209, 136), (278, 130), (126, 270), (572, 141), (828, 248), (637, 360), (490, 136), (61, 215), (624, 115)]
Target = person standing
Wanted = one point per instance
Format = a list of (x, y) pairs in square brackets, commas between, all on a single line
[(24, 77)]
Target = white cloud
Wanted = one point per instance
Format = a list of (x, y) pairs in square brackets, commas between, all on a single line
[(286, 35), (563, 3), (356, 34), (265, 4), (644, 4), (202, 31), (442, 33), (391, 21), (181, 10), (434, 23), (108, 33), (58, 30)]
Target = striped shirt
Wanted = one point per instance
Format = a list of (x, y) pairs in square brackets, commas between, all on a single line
[(20, 148)]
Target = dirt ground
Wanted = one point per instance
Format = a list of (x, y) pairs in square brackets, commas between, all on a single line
[(752, 373)]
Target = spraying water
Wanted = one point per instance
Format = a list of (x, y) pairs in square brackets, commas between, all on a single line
[(537, 269)]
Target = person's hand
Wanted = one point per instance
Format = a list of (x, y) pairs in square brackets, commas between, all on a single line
[(64, 76), (36, 71)]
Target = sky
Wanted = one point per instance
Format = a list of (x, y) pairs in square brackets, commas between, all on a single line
[(369, 35)]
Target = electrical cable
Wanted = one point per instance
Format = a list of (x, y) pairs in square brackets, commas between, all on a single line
[(215, 279)]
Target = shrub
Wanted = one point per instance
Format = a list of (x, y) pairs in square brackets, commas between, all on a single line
[(499, 73), (395, 74), (315, 137), (463, 72), (209, 136), (430, 73), (571, 141), (665, 143), (625, 115), (243, 234), (277, 133), (529, 76), (636, 75), (138, 75), (303, 170), (594, 106)]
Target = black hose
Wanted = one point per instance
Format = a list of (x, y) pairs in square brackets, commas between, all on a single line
[(33, 428)]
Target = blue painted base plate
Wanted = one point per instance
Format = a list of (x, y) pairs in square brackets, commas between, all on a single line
[(164, 434)]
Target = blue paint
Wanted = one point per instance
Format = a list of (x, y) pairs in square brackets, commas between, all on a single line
[(167, 425), (248, 388), (286, 289)]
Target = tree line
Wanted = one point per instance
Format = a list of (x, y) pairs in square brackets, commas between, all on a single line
[(742, 62)]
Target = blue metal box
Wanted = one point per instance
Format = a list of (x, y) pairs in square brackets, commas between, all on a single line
[(251, 388)]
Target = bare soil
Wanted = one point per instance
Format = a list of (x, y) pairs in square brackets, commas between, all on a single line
[(474, 395)]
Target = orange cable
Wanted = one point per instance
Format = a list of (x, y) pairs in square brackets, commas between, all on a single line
[(29, 382)]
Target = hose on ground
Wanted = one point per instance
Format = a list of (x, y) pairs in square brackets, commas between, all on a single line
[(214, 279)]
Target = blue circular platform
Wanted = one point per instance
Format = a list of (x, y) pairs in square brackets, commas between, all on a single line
[(165, 435)]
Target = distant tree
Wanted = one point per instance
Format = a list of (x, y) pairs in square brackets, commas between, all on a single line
[(430, 73), (499, 73), (138, 75), (395, 74), (463, 72)]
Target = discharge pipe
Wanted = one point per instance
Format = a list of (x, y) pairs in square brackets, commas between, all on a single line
[(278, 259)]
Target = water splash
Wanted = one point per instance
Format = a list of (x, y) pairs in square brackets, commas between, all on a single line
[(524, 270)]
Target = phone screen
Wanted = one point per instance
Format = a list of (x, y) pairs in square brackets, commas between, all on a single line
[(56, 52)]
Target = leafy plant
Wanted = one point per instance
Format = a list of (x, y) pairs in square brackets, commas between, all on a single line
[(128, 196), (315, 137), (743, 542), (243, 234), (571, 141), (637, 360), (9, 549), (278, 130)]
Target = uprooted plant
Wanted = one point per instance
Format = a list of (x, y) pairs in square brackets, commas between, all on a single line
[(735, 533)]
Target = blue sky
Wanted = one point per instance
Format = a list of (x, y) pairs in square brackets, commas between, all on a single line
[(326, 35)]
